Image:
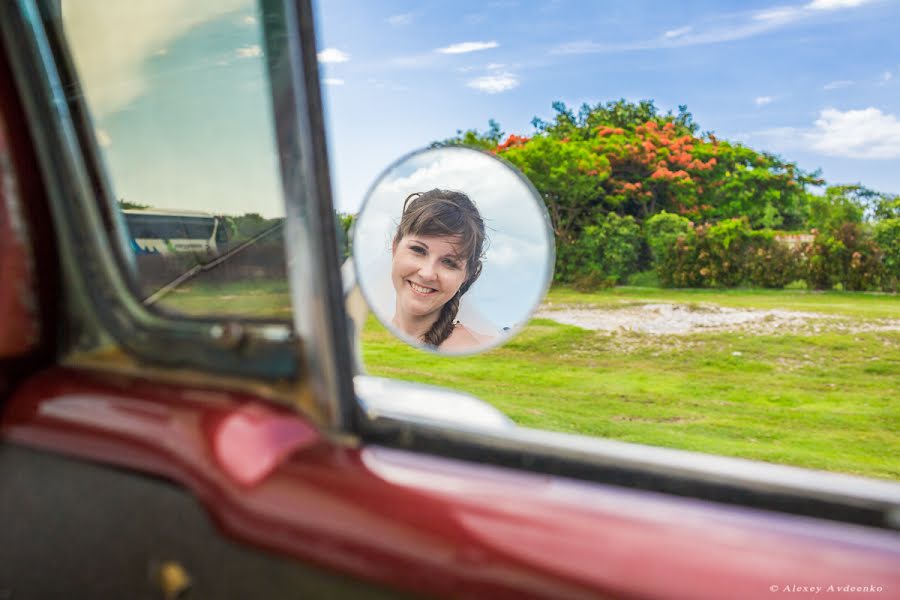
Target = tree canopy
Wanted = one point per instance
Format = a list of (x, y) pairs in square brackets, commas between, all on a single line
[(629, 160)]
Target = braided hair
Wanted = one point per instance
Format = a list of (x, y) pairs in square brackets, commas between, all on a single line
[(446, 213)]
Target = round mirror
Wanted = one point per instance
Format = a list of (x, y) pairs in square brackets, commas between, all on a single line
[(453, 250)]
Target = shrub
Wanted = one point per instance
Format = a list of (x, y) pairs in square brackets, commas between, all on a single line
[(729, 254), (603, 254), (770, 263), (848, 257), (661, 231), (887, 236), (648, 279)]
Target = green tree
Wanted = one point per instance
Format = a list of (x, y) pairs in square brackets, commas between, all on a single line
[(661, 231), (344, 222), (473, 138), (568, 174), (746, 183), (887, 236), (887, 206), (840, 204), (126, 205), (605, 252)]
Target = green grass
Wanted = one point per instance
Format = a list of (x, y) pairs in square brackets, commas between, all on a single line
[(827, 401), (258, 299)]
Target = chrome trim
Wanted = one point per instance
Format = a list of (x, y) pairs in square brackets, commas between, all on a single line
[(310, 234), (724, 479), (380, 397)]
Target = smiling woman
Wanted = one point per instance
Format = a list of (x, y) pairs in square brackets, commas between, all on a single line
[(436, 257), (458, 268)]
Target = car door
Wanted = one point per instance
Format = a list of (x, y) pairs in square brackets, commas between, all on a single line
[(165, 450)]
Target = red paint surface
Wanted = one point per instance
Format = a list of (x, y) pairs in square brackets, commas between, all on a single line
[(252, 440), (19, 321), (439, 526)]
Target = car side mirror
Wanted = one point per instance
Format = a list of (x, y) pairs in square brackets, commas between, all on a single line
[(453, 250)]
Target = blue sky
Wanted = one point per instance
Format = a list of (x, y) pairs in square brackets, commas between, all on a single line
[(179, 97), (817, 82)]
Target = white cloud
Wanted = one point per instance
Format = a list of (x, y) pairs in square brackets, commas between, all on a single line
[(674, 33), (110, 66), (494, 84), (726, 29), (253, 51), (763, 100), (835, 85), (886, 76), (863, 134), (779, 15), (333, 81), (332, 55), (835, 4), (494, 66), (465, 47), (400, 20), (103, 138), (866, 133), (249, 20)]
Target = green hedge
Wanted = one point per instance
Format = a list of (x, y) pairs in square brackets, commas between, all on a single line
[(727, 254), (730, 254), (605, 253)]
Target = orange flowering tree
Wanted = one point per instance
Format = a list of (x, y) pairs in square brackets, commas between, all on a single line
[(568, 174), (627, 158)]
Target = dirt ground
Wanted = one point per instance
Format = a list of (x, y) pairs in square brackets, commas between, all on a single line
[(682, 319)]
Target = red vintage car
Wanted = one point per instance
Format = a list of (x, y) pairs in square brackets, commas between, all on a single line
[(145, 453)]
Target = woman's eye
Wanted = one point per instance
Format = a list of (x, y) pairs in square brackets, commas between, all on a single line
[(451, 263), (418, 249)]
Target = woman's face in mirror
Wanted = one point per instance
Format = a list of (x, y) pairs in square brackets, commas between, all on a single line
[(426, 271), (452, 250)]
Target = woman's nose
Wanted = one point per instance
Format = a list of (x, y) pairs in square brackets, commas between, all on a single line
[(427, 271)]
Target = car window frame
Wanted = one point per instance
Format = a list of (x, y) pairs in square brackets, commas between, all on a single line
[(307, 365)]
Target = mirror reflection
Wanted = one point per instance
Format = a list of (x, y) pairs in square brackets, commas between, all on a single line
[(453, 250), (182, 116)]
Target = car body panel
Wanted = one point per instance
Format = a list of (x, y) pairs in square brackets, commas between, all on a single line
[(438, 526)]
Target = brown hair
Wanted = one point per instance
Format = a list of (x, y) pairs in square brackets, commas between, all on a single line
[(446, 213)]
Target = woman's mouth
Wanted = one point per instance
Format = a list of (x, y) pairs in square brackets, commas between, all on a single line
[(421, 289)]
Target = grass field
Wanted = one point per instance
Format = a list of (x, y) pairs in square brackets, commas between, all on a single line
[(260, 299), (826, 399)]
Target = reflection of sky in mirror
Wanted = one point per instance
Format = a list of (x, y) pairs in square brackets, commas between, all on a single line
[(516, 264), (179, 97)]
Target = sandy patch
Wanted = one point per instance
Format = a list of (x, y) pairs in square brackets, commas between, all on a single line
[(682, 319)]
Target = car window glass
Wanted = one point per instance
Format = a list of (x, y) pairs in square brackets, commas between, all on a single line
[(182, 115), (726, 221)]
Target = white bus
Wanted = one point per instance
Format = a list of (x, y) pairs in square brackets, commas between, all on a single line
[(153, 231)]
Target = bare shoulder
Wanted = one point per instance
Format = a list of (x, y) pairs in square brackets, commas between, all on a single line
[(463, 338)]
